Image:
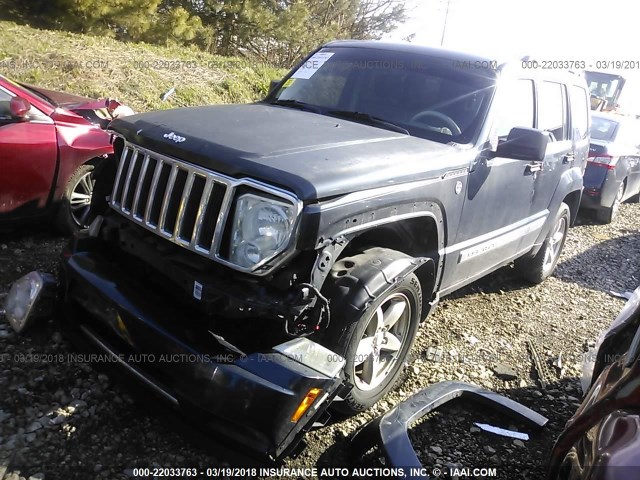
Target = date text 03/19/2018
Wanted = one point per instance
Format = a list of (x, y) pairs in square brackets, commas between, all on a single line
[(580, 65)]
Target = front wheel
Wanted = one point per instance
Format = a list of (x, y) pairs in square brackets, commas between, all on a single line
[(538, 268), (376, 346), (73, 211)]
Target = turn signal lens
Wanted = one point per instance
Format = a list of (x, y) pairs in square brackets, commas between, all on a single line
[(305, 404)]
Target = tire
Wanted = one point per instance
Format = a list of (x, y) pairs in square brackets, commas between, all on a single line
[(607, 214), (400, 305), (538, 268), (76, 200)]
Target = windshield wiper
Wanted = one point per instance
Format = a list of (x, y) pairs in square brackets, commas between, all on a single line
[(373, 120), (295, 104)]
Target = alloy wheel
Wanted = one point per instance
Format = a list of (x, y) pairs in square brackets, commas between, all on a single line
[(382, 341), (555, 243), (80, 199)]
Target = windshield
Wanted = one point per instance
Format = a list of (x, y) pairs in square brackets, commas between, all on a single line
[(603, 128), (424, 96)]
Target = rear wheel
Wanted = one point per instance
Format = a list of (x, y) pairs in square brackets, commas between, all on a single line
[(538, 268), (376, 346), (606, 215), (73, 211)]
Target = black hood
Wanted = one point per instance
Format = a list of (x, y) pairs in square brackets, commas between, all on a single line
[(315, 156)]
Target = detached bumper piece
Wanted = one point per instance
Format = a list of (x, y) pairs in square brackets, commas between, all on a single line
[(389, 431), (265, 401)]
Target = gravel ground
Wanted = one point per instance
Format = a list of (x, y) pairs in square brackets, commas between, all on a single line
[(69, 420)]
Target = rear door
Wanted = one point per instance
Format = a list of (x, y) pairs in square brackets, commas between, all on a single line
[(28, 157), (552, 117)]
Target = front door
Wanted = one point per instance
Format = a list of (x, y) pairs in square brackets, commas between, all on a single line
[(28, 157), (500, 192)]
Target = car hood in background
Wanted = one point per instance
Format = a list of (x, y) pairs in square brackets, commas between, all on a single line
[(68, 100)]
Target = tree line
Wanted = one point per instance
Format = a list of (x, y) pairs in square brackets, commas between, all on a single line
[(273, 31)]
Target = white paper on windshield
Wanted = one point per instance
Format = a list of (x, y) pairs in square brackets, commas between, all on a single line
[(312, 65)]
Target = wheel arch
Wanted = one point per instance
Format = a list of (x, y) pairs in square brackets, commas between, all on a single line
[(397, 258), (67, 171), (572, 199)]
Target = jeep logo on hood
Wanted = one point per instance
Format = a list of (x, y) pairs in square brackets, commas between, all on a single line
[(174, 137)]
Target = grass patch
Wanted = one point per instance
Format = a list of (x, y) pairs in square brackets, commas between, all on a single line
[(134, 73)]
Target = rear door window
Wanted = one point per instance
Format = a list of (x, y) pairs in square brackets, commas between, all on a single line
[(551, 110)]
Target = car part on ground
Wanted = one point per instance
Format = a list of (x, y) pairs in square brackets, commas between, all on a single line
[(31, 298), (389, 431), (62, 136), (602, 439)]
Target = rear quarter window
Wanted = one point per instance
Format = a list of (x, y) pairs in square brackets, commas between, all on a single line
[(579, 111)]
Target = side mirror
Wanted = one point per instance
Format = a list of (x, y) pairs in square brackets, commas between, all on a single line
[(524, 144), (19, 108), (272, 86)]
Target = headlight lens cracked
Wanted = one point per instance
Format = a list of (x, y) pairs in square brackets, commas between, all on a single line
[(261, 229)]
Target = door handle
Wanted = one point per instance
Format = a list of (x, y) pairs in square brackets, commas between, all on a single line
[(568, 158), (533, 167)]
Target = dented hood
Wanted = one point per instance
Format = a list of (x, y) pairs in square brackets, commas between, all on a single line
[(315, 156), (68, 100)]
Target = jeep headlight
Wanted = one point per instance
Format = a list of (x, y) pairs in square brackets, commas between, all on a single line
[(261, 229)]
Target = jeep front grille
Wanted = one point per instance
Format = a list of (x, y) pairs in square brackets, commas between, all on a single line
[(178, 201)]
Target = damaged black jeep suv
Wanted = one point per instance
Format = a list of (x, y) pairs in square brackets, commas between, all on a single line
[(272, 258)]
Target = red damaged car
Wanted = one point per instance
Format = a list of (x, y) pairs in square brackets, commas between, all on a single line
[(50, 142), (602, 440)]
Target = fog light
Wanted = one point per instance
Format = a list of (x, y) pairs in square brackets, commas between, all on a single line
[(309, 398), (30, 297)]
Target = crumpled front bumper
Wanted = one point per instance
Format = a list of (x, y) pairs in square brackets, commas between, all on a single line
[(250, 399)]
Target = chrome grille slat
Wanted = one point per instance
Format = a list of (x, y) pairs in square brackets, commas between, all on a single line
[(152, 194), (136, 196), (183, 203), (208, 188), (165, 201), (221, 221), (116, 184), (125, 192)]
